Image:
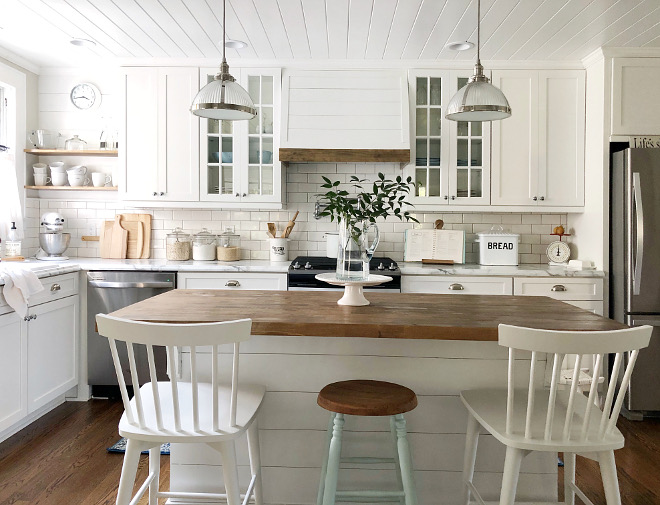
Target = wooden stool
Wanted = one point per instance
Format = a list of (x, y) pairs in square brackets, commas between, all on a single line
[(367, 398)]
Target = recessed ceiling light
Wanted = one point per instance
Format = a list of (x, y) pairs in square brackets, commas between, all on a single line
[(82, 42), (460, 45), (235, 44)]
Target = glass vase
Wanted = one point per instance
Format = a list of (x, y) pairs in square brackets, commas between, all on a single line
[(355, 252)]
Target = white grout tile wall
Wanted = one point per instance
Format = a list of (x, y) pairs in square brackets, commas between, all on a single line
[(303, 184)]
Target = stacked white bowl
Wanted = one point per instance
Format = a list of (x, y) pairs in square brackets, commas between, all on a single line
[(40, 174), (58, 173)]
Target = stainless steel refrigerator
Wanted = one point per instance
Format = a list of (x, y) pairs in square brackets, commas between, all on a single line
[(635, 266)]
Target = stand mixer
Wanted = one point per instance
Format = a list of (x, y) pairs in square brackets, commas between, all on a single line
[(53, 240)]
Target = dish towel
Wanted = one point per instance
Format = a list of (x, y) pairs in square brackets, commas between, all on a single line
[(20, 284)]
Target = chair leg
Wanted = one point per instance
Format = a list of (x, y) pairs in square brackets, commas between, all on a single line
[(334, 457), (569, 478), (397, 461), (470, 458), (610, 480), (227, 452), (512, 463), (405, 460), (255, 461), (154, 467), (324, 466), (129, 471)]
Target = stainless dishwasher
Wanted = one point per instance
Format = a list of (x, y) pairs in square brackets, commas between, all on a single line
[(108, 291)]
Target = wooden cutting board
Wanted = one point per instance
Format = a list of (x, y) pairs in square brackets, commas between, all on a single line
[(105, 238), (145, 219), (135, 242), (119, 239)]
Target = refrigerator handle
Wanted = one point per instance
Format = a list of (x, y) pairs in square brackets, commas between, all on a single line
[(639, 246)]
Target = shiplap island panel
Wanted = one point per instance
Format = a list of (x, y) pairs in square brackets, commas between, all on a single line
[(291, 353)]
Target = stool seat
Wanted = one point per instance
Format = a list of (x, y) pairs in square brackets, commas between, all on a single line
[(367, 398)]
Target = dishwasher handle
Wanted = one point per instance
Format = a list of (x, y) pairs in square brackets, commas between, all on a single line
[(119, 285)]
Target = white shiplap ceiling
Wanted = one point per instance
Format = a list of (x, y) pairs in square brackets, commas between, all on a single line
[(39, 30)]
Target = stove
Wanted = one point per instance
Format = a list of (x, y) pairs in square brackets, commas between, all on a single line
[(303, 269)]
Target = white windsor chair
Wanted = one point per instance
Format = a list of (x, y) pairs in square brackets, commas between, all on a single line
[(185, 412), (551, 420)]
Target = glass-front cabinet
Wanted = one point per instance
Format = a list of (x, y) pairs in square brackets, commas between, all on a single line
[(240, 160), (450, 160)]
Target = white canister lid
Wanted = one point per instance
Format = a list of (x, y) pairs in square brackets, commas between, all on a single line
[(497, 231)]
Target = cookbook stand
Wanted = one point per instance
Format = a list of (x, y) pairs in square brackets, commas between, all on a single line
[(353, 290)]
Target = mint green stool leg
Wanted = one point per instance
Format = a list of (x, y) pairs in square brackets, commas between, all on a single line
[(334, 457), (405, 460), (397, 463), (326, 454)]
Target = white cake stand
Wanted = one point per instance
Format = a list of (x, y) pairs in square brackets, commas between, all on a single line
[(354, 290)]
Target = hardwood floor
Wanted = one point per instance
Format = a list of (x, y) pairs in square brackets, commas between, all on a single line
[(61, 460)]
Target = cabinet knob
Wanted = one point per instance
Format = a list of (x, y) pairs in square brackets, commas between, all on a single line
[(456, 287), (244, 195), (453, 197), (162, 193), (534, 198), (558, 287), (232, 284), (237, 195), (55, 287), (155, 193), (542, 198), (446, 197), (27, 318)]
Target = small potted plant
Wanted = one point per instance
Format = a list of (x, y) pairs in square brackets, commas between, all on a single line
[(356, 214)]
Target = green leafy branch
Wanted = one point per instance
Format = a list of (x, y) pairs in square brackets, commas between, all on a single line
[(386, 198)]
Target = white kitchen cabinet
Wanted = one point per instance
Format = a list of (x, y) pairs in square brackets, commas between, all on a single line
[(13, 404), (586, 293), (456, 285), (538, 152), (451, 159), (160, 138), (634, 86), (240, 159), (52, 350), (232, 280)]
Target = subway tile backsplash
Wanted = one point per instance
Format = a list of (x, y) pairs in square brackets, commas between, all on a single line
[(303, 184)]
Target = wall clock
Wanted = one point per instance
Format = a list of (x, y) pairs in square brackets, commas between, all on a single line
[(85, 96), (558, 252)]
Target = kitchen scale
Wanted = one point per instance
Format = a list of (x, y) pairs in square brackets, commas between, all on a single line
[(558, 252)]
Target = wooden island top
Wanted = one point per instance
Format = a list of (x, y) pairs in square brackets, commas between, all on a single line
[(390, 315)]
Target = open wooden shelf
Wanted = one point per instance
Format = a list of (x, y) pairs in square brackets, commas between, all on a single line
[(110, 153), (287, 154), (74, 188)]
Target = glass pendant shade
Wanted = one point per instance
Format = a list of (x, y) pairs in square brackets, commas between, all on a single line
[(223, 99), (478, 101)]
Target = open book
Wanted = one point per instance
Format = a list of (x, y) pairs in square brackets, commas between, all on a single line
[(435, 244)]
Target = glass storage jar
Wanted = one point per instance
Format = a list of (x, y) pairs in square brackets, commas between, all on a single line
[(229, 246), (75, 143), (177, 245), (203, 246)]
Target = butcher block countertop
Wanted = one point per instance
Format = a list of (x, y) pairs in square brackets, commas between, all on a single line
[(390, 315)]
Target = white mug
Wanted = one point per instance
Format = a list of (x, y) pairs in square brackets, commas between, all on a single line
[(56, 166), (41, 179), (77, 170), (40, 168), (100, 179), (78, 180), (59, 178)]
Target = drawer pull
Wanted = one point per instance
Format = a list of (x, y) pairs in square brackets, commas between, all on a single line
[(456, 287), (558, 287), (55, 287), (232, 284)]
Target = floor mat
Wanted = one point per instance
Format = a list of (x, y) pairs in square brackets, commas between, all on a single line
[(120, 448)]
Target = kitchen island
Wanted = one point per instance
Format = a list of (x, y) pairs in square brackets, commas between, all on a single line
[(435, 344)]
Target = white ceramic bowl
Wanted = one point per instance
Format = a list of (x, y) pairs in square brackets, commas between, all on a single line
[(58, 178), (78, 180), (77, 170)]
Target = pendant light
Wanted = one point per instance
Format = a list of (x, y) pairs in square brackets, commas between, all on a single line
[(478, 100), (223, 98)]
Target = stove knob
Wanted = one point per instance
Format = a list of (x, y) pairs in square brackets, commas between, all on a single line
[(308, 266), (392, 266), (296, 266), (381, 266)]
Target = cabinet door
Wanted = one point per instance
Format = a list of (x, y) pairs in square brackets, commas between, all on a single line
[(178, 135), (52, 350), (516, 140), (141, 155), (451, 285), (429, 95), (232, 280), (469, 155), (13, 374), (635, 110), (561, 138)]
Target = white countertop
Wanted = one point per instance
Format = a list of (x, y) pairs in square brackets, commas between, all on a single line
[(45, 269)]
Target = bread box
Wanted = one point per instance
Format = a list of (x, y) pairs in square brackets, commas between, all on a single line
[(497, 247)]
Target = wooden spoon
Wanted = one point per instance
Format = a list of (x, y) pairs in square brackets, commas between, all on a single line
[(272, 229), (289, 226)]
